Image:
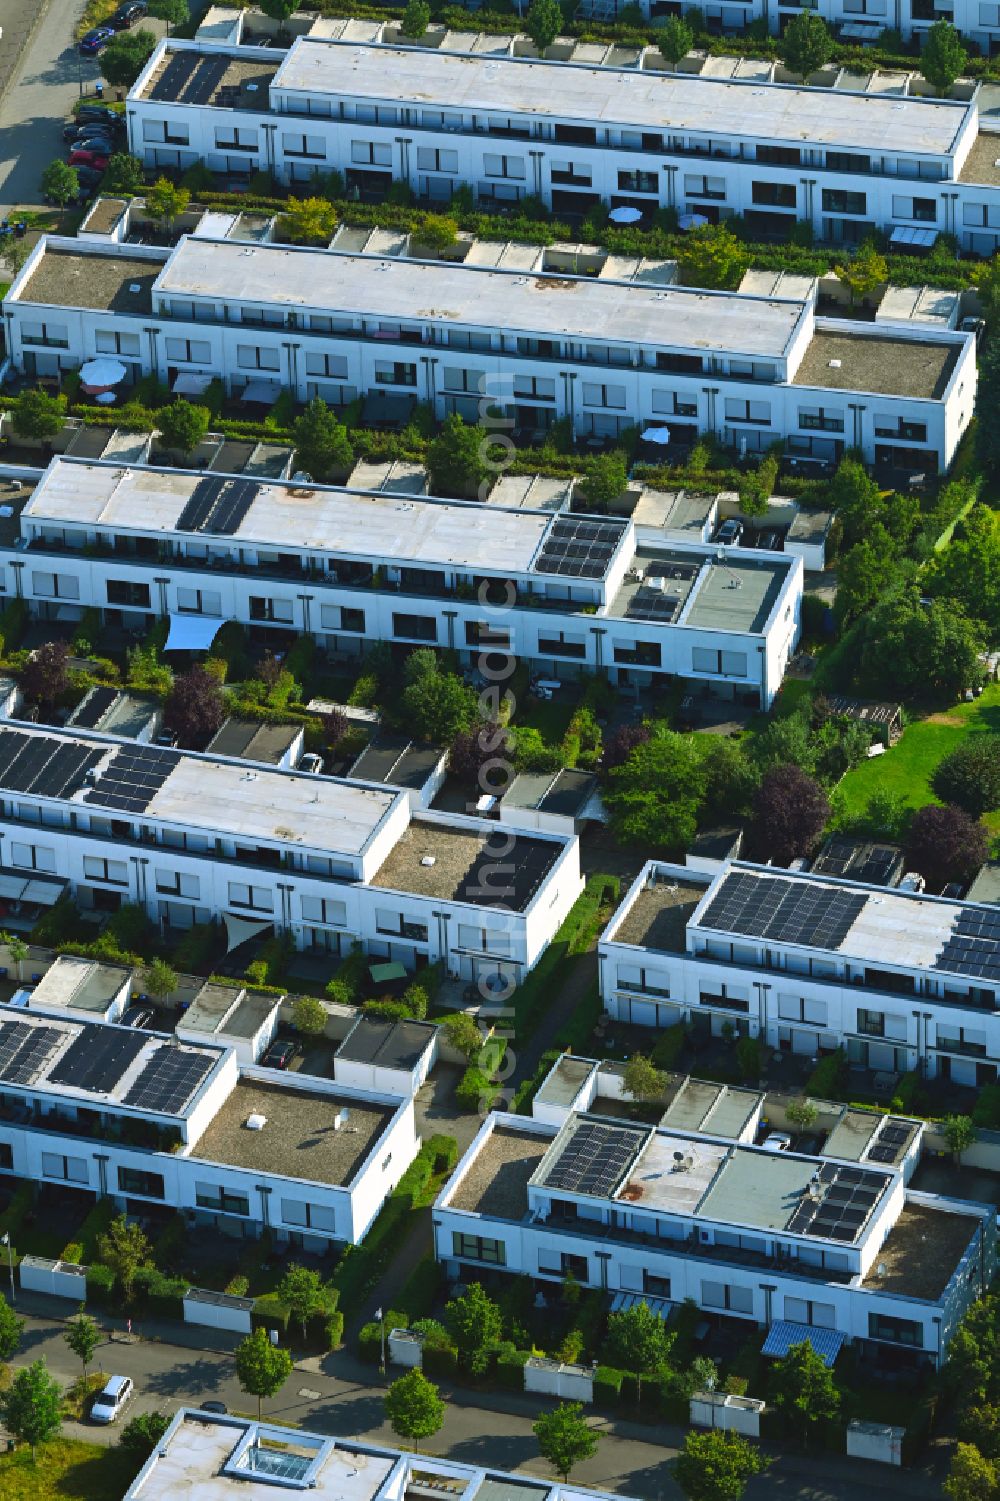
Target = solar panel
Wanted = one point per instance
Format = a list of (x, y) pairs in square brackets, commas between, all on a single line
[(595, 1159), (217, 505), (651, 604), (843, 1202), (98, 1057), (94, 707), (577, 547), (169, 1080), (133, 777), (26, 1064), (784, 911), (42, 764), (13, 1035)]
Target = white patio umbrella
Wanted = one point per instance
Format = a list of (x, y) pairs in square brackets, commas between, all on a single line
[(625, 215), (660, 435), (102, 373), (691, 221)]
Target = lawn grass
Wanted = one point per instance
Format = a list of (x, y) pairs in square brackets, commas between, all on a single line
[(550, 717), (66, 1470), (907, 768)]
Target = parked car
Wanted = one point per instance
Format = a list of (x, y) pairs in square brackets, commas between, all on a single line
[(138, 1016), (89, 177), (95, 41), (102, 112), (216, 1407), (112, 1400), (76, 135), (729, 532), (96, 159), (279, 1054), (975, 326), (127, 14), (776, 1141), (98, 144)]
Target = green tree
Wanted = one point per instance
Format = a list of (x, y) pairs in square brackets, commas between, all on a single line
[(38, 415), (464, 1033), (414, 1407), (31, 1407), (971, 1477), (438, 707), (711, 256), (865, 574), (944, 57), (855, 499), (279, 10), (675, 40), (309, 1016), (261, 1368), (308, 221), (455, 458), (302, 1289), (473, 1321), (436, 232), (988, 284), (174, 12), (11, 1330), (142, 1433), (45, 675), (970, 775), (909, 649), (159, 980), (322, 444), (959, 1133), (544, 22), (416, 19), (730, 776), (655, 796), (565, 1438), (165, 201), (803, 1388), (865, 271), (988, 409), (638, 1341), (83, 1335), (967, 571), (642, 1080), (125, 1248), (802, 1114), (124, 58), (807, 44), (60, 183), (716, 1466), (124, 174), (605, 479), (182, 425)]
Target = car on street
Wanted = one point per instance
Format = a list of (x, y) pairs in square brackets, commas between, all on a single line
[(96, 159), (95, 41), (279, 1054), (127, 14), (112, 1400)]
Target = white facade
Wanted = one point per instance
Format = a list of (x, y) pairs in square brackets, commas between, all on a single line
[(893, 987), (605, 354), (675, 1216), (774, 153)]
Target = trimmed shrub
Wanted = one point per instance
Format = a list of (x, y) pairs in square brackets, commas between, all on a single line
[(269, 1312), (444, 1152), (440, 1360), (826, 1080), (73, 1252), (370, 1343), (510, 1368), (608, 1386), (333, 1330), (476, 1092), (238, 1286), (669, 1045), (100, 1284)]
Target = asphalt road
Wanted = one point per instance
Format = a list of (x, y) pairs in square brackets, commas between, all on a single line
[(332, 1396)]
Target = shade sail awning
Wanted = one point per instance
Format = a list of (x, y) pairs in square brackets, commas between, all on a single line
[(192, 632), (381, 974), (43, 891), (263, 392), (906, 235), (240, 930), (781, 1337), (191, 383)]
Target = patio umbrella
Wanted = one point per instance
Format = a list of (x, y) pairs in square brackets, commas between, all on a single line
[(103, 373), (691, 221), (660, 435), (625, 215)]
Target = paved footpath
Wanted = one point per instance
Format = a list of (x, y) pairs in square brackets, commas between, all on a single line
[(173, 1364)]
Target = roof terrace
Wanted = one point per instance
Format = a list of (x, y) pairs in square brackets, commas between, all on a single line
[(878, 363), (658, 917), (221, 80), (496, 1183), (921, 1252), (455, 864)]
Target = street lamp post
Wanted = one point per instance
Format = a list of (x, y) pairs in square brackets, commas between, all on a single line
[(5, 1241), (380, 1315)]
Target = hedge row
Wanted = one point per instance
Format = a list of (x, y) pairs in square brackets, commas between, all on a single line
[(537, 989)]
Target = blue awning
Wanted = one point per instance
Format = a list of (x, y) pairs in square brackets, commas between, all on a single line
[(781, 1337), (192, 632)]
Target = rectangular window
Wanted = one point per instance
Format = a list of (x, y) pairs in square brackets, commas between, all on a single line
[(257, 898), (604, 396), (705, 187), (479, 1248), (774, 194), (188, 351), (395, 373), (48, 335), (840, 201), (262, 608), (67, 1169), (125, 592), (115, 872), (342, 618), (32, 857), (250, 357), (167, 132), (303, 145), (55, 586), (324, 910), (722, 1295), (173, 883), (561, 644), (229, 138), (758, 412), (218, 1199), (199, 601), (109, 341), (6, 1157), (308, 1216), (414, 627), (330, 366), (821, 420), (371, 154), (132, 1180), (504, 166), (896, 1331), (429, 159)]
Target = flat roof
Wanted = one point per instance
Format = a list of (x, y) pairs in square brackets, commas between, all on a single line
[(82, 984), (659, 914), (736, 595), (921, 1253), (462, 868), (604, 96), (986, 887), (108, 282), (251, 741), (387, 1044), (300, 1138), (496, 1182), (361, 286), (219, 79), (767, 1191), (396, 761), (981, 163), (564, 793), (673, 1174), (565, 1080), (879, 363), (222, 1010)]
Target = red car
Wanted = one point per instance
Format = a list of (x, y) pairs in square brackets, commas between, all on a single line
[(88, 159)]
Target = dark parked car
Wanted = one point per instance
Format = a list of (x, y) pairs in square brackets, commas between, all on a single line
[(96, 159), (101, 112), (89, 177), (95, 41), (98, 144), (127, 14), (216, 1407), (279, 1055), (74, 134), (137, 1016), (729, 533)]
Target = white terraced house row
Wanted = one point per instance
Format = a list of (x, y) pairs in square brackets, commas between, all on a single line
[(829, 1246), (567, 593), (607, 355), (898, 979), (575, 135), (92, 1108), (330, 863)]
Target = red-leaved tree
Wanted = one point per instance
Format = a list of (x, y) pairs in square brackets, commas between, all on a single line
[(789, 811)]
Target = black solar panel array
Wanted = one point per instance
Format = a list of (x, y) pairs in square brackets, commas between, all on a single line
[(595, 1159), (893, 1139), (98, 1057), (845, 1199), (974, 946), (94, 707), (782, 910), (43, 765), (217, 505), (25, 1050), (577, 548), (190, 78), (168, 1080), (651, 604), (134, 775)]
